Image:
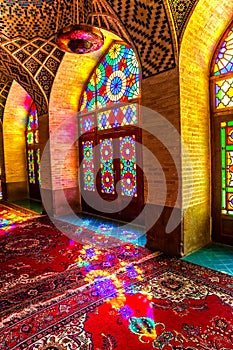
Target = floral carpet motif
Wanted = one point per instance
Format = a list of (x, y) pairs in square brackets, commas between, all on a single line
[(39, 262), (156, 302)]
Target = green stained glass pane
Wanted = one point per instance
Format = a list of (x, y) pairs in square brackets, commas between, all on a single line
[(223, 137), (230, 123), (223, 199), (229, 148), (223, 159), (128, 166), (30, 140)]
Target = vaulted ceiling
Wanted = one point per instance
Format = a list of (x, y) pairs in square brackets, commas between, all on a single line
[(29, 55)]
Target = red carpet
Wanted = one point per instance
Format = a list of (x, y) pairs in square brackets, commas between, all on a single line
[(158, 303), (39, 262), (57, 294), (10, 217)]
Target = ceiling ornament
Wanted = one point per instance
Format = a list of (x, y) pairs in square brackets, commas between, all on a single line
[(79, 37)]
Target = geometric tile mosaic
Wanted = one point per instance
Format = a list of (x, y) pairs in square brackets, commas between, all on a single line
[(31, 18), (30, 57), (181, 10), (45, 79), (14, 70), (5, 84), (148, 27), (146, 23), (32, 65), (21, 55)]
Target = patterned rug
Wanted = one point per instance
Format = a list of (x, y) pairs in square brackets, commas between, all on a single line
[(39, 262), (154, 302), (11, 216)]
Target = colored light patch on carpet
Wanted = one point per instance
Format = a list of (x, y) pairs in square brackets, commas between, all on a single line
[(10, 218), (175, 305), (39, 261)]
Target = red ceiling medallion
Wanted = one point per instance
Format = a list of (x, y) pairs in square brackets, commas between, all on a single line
[(79, 39)]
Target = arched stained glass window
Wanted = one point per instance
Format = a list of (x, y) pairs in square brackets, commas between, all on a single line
[(116, 79), (33, 151), (223, 67), (222, 134), (224, 61), (109, 112)]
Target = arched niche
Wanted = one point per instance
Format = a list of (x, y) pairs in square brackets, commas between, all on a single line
[(203, 32)]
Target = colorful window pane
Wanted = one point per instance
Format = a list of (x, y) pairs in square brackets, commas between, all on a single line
[(227, 167), (88, 166), (32, 138), (224, 93), (88, 101), (32, 118), (106, 166), (86, 123), (128, 166), (116, 79), (32, 125), (224, 60), (37, 163), (31, 167), (116, 117)]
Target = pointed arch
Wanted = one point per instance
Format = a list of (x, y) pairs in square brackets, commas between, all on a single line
[(221, 93), (204, 29), (108, 119)]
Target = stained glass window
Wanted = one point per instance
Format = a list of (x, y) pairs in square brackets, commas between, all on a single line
[(88, 166), (128, 166), (227, 167), (107, 170), (32, 138), (108, 103), (116, 79), (118, 116), (87, 123), (224, 60), (224, 93), (37, 163), (31, 169)]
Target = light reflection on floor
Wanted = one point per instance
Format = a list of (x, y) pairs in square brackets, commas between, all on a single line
[(10, 218), (130, 233)]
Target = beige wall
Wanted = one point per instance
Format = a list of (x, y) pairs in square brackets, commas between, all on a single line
[(14, 123), (204, 29)]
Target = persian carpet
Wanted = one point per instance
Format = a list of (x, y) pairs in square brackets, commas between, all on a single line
[(39, 262), (156, 302), (10, 217)]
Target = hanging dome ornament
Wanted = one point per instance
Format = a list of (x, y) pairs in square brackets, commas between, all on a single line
[(80, 38)]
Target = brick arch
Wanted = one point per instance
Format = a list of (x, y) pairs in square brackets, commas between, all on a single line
[(14, 125), (204, 29), (15, 70)]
